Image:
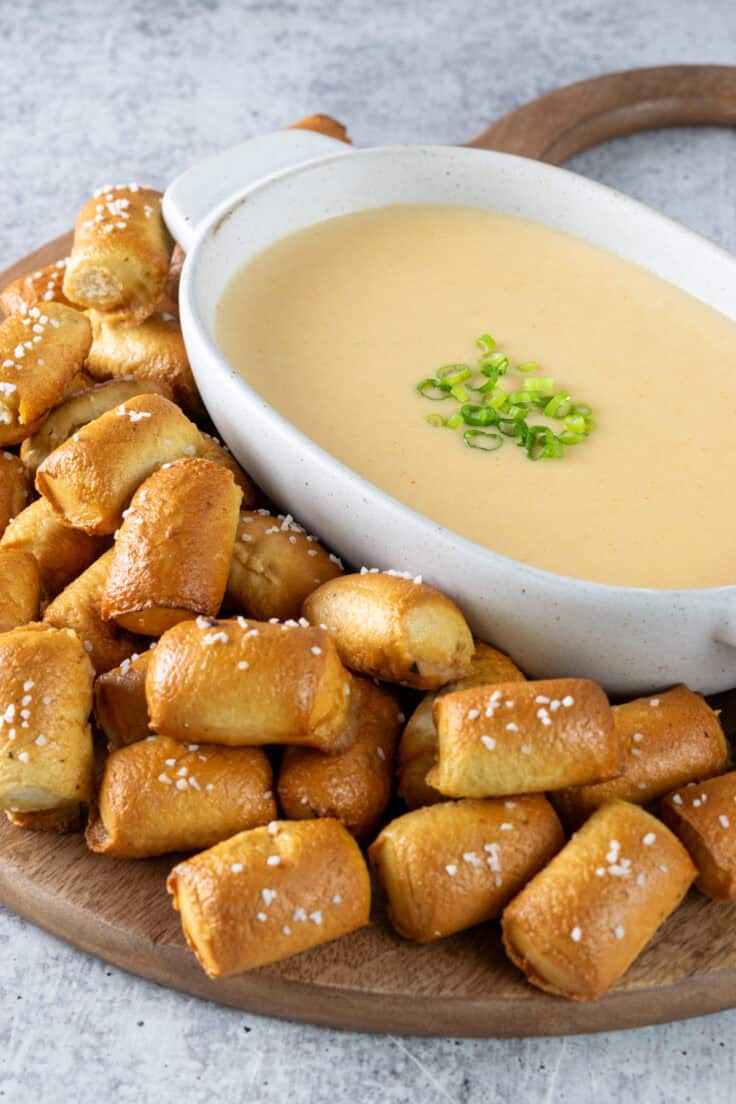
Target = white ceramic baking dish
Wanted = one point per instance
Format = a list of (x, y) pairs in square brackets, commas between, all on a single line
[(227, 209)]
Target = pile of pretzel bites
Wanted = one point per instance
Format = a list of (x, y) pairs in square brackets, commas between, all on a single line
[(182, 670)]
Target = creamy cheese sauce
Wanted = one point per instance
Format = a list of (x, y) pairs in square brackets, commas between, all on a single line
[(336, 324)]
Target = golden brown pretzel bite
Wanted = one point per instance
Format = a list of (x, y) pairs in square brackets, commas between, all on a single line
[(78, 607), (152, 351), (703, 817), (523, 737), (352, 785), (120, 257), (270, 893), (240, 683), (91, 478), (45, 702), (275, 566), (40, 353), (120, 702), (35, 289), (579, 924), (67, 819), (667, 740), (456, 864), (418, 745), (218, 454), (61, 553), (20, 588), (172, 553), (394, 628), (77, 411), (14, 488), (158, 795)]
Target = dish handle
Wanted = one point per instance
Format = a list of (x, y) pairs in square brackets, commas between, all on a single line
[(198, 191)]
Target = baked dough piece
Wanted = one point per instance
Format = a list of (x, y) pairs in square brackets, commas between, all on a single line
[(61, 553), (14, 488), (453, 865), (270, 893), (579, 924), (667, 740), (40, 353), (66, 819), (120, 257), (215, 452), (77, 411), (323, 124), (703, 817), (394, 628), (78, 607), (159, 795), (354, 785), (45, 737), (523, 737), (240, 683), (172, 553), (418, 746), (275, 566), (170, 299), (120, 702), (152, 351), (91, 478), (20, 588), (35, 289)]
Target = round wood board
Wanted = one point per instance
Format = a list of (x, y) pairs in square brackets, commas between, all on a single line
[(372, 980)]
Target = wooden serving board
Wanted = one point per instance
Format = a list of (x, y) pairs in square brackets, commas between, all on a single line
[(372, 980)]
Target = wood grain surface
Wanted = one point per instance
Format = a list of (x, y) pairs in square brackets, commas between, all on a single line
[(372, 980)]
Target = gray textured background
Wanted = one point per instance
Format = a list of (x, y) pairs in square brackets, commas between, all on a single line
[(100, 92)]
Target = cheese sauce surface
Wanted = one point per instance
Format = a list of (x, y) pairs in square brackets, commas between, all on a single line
[(335, 325)]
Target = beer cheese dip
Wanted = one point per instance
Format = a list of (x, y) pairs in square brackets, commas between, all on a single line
[(335, 325)]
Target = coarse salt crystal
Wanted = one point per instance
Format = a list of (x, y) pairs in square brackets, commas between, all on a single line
[(576, 935), (236, 867)]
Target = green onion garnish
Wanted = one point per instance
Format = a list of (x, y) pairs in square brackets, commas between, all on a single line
[(454, 373), (496, 361), (483, 439), (559, 405), (460, 392), (474, 415), (575, 423), (433, 388), (543, 444), (486, 343), (540, 384), (528, 366), (454, 421), (436, 420), (581, 408)]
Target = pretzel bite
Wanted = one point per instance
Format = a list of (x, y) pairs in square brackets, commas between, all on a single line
[(394, 628), (323, 124), (270, 893), (77, 411), (418, 746), (215, 452), (20, 588), (236, 683), (170, 300), (523, 737), (45, 702), (193, 505), (120, 257), (91, 478), (159, 795), (275, 566), (352, 785), (78, 608), (120, 702), (152, 351), (703, 817), (452, 865), (61, 553), (579, 924), (66, 819), (14, 488), (35, 289), (667, 741), (40, 353)]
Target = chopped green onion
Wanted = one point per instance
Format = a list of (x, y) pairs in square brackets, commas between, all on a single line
[(515, 411), (512, 427), (483, 439), (496, 361), (540, 384), (543, 444), (491, 373), (436, 420), (454, 373), (486, 343), (559, 405), (454, 421), (460, 392), (497, 398), (575, 423), (474, 415), (433, 384), (581, 408), (568, 438), (528, 366), (522, 398), (487, 387)]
